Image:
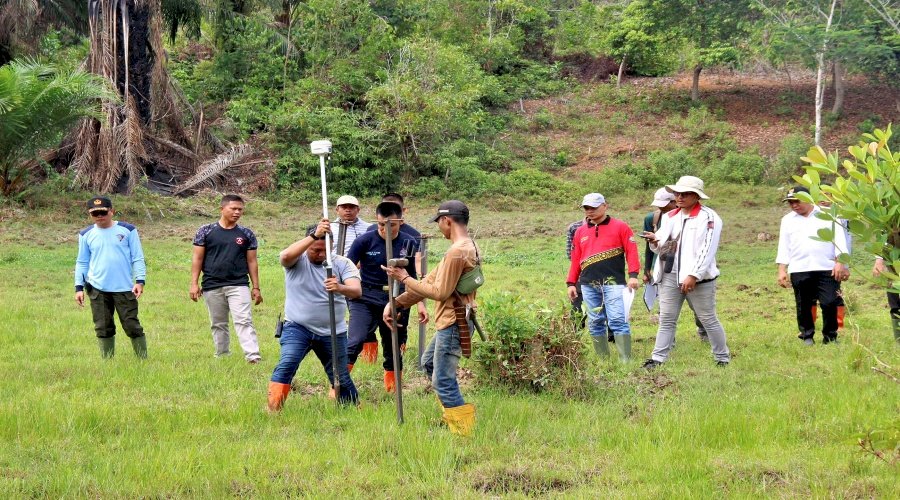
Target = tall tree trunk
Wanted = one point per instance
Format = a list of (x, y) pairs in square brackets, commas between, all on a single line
[(142, 134), (695, 85), (820, 75), (840, 88), (621, 71)]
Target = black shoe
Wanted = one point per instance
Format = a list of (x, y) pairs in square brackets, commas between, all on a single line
[(650, 364), (722, 364), (611, 338), (809, 341)]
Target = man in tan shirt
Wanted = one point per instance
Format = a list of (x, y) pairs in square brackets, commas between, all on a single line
[(441, 358)]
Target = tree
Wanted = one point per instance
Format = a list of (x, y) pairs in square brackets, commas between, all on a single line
[(865, 191), (38, 104), (713, 30), (142, 133)]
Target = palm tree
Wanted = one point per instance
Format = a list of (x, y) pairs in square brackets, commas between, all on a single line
[(38, 105), (23, 22), (143, 133)]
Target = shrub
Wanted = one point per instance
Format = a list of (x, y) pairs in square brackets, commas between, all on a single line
[(709, 137), (542, 120), (529, 348), (737, 167), (787, 162)]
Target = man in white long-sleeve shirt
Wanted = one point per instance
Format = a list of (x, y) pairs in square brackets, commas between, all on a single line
[(815, 272)]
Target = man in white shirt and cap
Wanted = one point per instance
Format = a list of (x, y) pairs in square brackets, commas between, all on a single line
[(686, 244), (348, 215), (811, 267)]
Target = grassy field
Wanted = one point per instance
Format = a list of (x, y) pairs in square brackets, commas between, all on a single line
[(781, 420)]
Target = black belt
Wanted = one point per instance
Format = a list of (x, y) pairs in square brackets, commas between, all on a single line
[(380, 288)]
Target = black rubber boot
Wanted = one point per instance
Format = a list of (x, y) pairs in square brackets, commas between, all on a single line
[(107, 346), (139, 344)]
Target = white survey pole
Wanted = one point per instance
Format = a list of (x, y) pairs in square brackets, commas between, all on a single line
[(323, 149)]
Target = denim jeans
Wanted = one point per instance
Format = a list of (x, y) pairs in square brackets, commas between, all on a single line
[(440, 361), (606, 309), (297, 341)]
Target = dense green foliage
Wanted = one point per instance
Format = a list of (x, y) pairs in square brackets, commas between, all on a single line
[(38, 104), (865, 190), (426, 92)]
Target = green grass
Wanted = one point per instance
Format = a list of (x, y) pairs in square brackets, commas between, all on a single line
[(780, 421)]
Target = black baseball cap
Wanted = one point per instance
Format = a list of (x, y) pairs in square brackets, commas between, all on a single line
[(452, 207), (792, 194), (99, 202)]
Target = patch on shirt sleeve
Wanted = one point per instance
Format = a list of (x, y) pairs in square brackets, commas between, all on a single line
[(710, 225)]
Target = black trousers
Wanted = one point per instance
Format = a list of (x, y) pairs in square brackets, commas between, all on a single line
[(104, 304), (365, 317), (810, 287)]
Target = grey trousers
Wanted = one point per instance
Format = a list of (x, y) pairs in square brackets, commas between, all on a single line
[(236, 301), (703, 301)]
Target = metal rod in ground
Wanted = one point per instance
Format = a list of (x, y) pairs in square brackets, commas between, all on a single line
[(424, 247), (336, 379), (395, 341)]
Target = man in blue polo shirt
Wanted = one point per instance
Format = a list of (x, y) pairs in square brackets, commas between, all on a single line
[(110, 270), (370, 347), (369, 253)]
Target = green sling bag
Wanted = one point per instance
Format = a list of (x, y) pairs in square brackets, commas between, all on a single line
[(472, 280)]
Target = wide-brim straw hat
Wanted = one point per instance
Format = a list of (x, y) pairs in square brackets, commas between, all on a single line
[(688, 184)]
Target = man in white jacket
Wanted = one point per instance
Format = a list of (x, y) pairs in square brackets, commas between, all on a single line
[(686, 244)]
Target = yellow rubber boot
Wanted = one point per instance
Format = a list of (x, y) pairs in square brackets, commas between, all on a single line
[(277, 394), (460, 419)]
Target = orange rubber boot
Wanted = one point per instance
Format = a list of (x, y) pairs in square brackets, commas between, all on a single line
[(277, 394), (390, 381), (841, 311), (369, 352), (815, 313)]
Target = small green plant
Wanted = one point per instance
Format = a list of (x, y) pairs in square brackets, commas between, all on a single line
[(787, 160), (542, 120), (530, 348)]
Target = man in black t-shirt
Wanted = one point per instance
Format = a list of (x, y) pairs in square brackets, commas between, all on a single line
[(226, 253), (369, 253)]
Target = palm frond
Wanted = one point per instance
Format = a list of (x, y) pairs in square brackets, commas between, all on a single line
[(210, 171)]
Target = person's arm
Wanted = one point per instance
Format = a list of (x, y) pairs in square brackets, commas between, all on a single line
[(631, 257), (138, 266), (574, 268), (196, 266), (840, 272), (290, 255), (345, 280), (570, 234), (253, 267), (784, 280), (81, 268)]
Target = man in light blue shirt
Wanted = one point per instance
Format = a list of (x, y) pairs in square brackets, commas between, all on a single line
[(110, 270)]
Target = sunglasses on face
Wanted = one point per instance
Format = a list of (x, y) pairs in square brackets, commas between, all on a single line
[(99, 213)]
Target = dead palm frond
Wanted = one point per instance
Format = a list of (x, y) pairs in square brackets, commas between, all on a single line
[(210, 172)]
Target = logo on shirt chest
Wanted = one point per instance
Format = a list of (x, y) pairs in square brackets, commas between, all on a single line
[(120, 236), (239, 240)]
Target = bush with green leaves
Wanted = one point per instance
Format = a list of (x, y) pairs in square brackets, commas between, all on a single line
[(865, 190), (787, 160), (709, 137), (530, 347), (738, 167)]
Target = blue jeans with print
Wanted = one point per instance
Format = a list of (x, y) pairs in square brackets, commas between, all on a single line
[(440, 360), (606, 310), (297, 341)]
